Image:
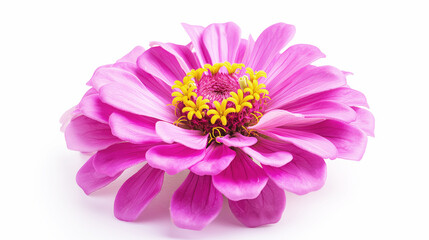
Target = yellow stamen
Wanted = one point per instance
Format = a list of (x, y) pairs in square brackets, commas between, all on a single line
[(221, 112), (240, 101), (195, 107)]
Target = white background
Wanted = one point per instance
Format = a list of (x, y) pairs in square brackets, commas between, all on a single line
[(48, 51)]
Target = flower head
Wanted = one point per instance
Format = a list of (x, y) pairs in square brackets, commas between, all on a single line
[(247, 120)]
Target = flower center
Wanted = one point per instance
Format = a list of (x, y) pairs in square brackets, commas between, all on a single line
[(220, 99)]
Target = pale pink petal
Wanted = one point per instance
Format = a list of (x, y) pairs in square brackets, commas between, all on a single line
[(221, 41), (269, 43), (132, 56), (195, 33), (136, 100), (365, 121), (107, 75), (344, 95), (267, 208), (217, 158), (307, 81), (65, 119), (250, 44), (173, 158), (195, 203), (269, 152), (90, 180), (170, 133), (350, 141), (86, 135), (237, 140), (136, 193), (326, 110), (308, 141), (92, 107), (118, 157), (242, 179), (305, 173), (289, 62), (277, 118), (133, 128), (161, 64)]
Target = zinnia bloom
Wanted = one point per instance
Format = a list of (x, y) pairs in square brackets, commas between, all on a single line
[(247, 120)]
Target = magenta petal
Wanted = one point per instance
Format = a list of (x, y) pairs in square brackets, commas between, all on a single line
[(364, 121), (132, 56), (237, 140), (92, 107), (327, 110), (269, 43), (90, 180), (196, 203), (135, 100), (133, 128), (217, 158), (309, 80), (173, 158), (86, 135), (195, 33), (184, 55), (119, 157), (308, 141), (106, 75), (290, 61), (136, 193), (221, 41), (161, 64), (279, 118), (190, 138), (242, 179), (350, 141), (269, 153), (305, 173), (267, 208)]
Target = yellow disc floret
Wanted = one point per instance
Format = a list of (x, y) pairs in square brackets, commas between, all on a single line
[(253, 87), (221, 112), (195, 107), (240, 101)]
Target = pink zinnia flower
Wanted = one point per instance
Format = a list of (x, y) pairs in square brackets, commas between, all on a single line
[(247, 120)]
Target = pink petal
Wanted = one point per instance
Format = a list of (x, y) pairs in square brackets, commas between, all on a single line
[(133, 128), (269, 43), (217, 158), (183, 54), (308, 141), (70, 114), (135, 100), (136, 193), (92, 107), (265, 209), (242, 179), (173, 158), (157, 87), (86, 135), (365, 121), (279, 118), (132, 56), (307, 81), (221, 41), (344, 95), (350, 141), (290, 61), (305, 173), (90, 180), (237, 140), (327, 110), (196, 203), (250, 44), (269, 153), (107, 75), (195, 33), (190, 138), (118, 157), (161, 64)]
